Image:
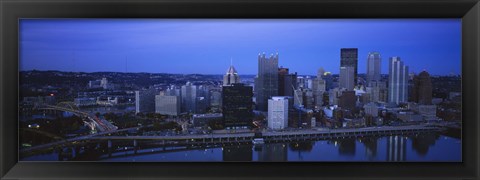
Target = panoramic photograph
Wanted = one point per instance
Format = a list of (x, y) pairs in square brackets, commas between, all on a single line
[(240, 90)]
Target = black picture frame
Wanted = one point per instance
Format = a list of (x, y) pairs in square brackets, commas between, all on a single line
[(12, 10)]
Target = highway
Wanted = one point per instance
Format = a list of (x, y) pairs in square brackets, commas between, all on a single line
[(322, 132)]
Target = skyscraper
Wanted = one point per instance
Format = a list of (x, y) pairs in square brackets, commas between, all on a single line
[(349, 58), (145, 101), (237, 105), (422, 88), (286, 81), (282, 72), (168, 105), (231, 76), (278, 112), (347, 77), (373, 67), (319, 87), (266, 82), (189, 97), (397, 81)]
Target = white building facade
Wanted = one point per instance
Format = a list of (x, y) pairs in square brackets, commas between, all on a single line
[(278, 112)]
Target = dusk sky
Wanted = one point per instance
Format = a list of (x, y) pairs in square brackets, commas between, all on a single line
[(206, 46)]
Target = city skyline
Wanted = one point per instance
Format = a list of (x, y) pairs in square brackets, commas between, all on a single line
[(183, 46)]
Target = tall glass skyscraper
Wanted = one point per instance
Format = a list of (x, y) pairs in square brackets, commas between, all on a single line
[(266, 82), (347, 76), (237, 106), (349, 58), (397, 81), (189, 97), (373, 67)]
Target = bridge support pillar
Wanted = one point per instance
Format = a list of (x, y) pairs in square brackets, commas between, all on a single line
[(109, 145), (135, 146)]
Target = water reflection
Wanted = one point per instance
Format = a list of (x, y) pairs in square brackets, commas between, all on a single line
[(273, 152), (422, 147), (396, 148), (370, 144), (237, 153), (346, 147), (422, 142)]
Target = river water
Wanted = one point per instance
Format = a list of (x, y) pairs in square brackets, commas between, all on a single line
[(417, 148), (421, 147)]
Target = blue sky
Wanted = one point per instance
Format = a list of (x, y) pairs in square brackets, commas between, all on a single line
[(206, 46)]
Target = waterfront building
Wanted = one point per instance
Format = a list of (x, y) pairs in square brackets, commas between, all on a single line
[(373, 67), (277, 112), (349, 58), (398, 81), (237, 106), (429, 112), (145, 100), (422, 88), (231, 77), (347, 78), (167, 105), (189, 97), (202, 120), (266, 84)]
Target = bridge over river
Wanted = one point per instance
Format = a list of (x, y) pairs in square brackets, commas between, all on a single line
[(232, 138)]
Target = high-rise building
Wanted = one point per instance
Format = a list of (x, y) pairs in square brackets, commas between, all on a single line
[(278, 112), (168, 105), (319, 88), (373, 67), (397, 81), (378, 91), (173, 91), (298, 97), (422, 88), (347, 78), (231, 76), (266, 83), (349, 58), (189, 97), (286, 82), (308, 99), (327, 76), (104, 83), (237, 106), (202, 99), (145, 100), (347, 100)]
